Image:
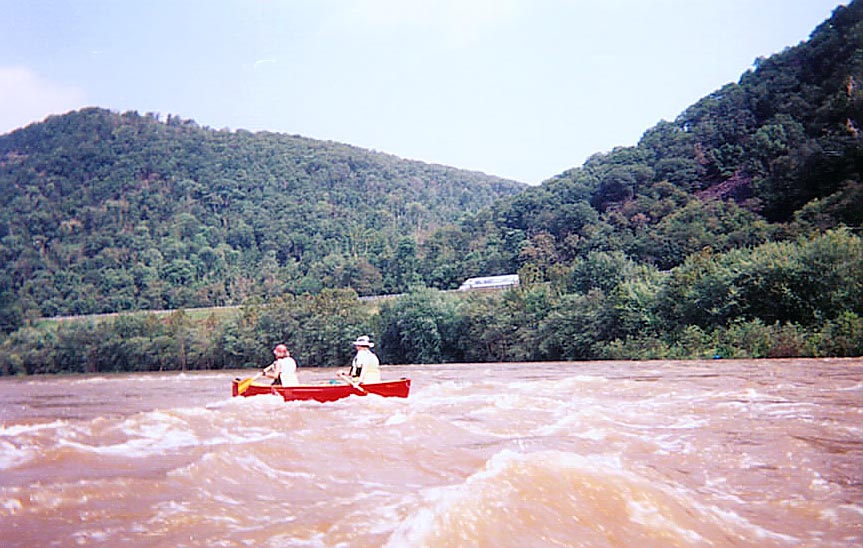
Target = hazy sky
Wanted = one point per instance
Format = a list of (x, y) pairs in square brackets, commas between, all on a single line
[(522, 89)]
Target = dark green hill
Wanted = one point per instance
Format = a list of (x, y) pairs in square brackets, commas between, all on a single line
[(776, 155), (102, 212)]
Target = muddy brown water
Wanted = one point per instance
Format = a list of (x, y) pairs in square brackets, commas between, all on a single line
[(595, 454)]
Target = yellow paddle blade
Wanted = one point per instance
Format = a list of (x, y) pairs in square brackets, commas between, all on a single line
[(244, 385)]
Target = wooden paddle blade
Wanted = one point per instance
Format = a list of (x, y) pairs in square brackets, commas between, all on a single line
[(351, 382)]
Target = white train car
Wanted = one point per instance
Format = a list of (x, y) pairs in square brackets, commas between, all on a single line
[(490, 282)]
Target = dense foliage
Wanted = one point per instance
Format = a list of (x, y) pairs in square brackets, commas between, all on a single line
[(777, 155), (732, 231), (801, 298), (102, 212)]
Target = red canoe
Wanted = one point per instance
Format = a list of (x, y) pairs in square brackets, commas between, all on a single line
[(327, 392)]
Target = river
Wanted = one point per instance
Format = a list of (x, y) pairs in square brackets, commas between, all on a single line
[(765, 453)]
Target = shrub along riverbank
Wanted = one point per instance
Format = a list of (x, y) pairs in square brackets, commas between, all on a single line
[(774, 300)]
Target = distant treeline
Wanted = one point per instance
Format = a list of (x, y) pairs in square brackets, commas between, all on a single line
[(775, 300)]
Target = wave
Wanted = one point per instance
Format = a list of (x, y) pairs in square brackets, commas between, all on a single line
[(140, 436), (12, 455), (566, 499)]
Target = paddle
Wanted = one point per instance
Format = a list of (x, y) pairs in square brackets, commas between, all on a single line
[(244, 384), (351, 382)]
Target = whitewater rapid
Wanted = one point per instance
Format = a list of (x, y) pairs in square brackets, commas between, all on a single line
[(712, 453)]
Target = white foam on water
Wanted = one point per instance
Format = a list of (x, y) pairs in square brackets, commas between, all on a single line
[(671, 442), (12, 456), (595, 434), (20, 443), (444, 389), (856, 508), (509, 401), (736, 405), (645, 513), (90, 380), (417, 527), (790, 410), (829, 514), (426, 401), (12, 506), (571, 420), (262, 401), (718, 488), (138, 448), (398, 418), (819, 484), (854, 388), (256, 466), (167, 509), (730, 517), (89, 536), (192, 411), (23, 429), (754, 396), (157, 433), (587, 378), (80, 493), (372, 495), (686, 422)]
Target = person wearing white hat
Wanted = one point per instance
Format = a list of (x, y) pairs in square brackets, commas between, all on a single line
[(366, 368)]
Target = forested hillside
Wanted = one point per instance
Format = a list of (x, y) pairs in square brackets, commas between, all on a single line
[(103, 212), (776, 155), (732, 231)]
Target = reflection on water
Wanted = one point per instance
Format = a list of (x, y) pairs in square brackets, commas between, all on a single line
[(714, 453)]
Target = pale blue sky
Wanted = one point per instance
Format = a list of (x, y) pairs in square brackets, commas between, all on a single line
[(523, 89)]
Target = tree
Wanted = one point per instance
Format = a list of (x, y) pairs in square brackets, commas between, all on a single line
[(419, 328), (600, 270), (576, 327)]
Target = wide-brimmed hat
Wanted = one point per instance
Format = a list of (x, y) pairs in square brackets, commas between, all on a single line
[(363, 341)]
